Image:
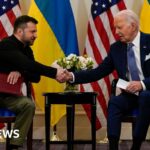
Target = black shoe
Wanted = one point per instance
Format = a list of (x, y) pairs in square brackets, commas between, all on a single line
[(113, 143), (13, 147), (136, 144)]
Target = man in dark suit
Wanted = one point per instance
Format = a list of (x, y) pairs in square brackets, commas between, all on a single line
[(119, 58)]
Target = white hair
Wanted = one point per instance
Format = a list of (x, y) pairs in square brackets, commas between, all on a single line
[(129, 15)]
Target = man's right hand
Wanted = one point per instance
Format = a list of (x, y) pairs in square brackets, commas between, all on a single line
[(69, 76), (63, 75), (60, 76)]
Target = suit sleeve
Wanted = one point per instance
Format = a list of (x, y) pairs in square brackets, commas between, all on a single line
[(147, 74), (145, 38), (102, 70)]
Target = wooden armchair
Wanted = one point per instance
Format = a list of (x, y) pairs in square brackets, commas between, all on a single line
[(8, 117)]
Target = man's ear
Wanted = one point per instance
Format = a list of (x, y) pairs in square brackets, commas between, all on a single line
[(19, 31), (134, 26)]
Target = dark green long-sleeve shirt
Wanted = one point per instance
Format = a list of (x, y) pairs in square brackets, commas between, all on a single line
[(14, 56)]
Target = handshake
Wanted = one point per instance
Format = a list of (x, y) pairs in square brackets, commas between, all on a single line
[(63, 75)]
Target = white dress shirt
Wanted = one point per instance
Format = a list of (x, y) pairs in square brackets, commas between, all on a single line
[(136, 49)]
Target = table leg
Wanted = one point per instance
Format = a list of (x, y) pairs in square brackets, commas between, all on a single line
[(69, 127), (72, 121), (47, 125), (93, 125)]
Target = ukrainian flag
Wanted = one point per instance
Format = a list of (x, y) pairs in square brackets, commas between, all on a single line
[(145, 17), (56, 38)]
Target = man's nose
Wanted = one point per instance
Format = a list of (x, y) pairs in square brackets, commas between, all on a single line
[(35, 35)]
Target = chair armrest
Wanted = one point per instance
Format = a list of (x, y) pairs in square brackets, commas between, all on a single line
[(113, 87)]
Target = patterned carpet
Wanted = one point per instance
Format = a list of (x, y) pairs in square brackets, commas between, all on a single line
[(40, 145)]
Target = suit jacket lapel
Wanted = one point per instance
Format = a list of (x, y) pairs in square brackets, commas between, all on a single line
[(124, 60), (143, 48)]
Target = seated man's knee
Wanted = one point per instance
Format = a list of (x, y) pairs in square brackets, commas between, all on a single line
[(118, 102), (113, 100), (28, 103), (144, 99), (31, 104)]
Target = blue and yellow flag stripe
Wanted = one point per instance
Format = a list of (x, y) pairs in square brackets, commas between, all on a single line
[(56, 38), (59, 16)]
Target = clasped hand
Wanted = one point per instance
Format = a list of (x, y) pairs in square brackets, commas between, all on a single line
[(134, 86), (63, 75)]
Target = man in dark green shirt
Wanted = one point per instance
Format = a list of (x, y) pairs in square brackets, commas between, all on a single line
[(16, 59)]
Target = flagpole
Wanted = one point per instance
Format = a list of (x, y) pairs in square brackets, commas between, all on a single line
[(104, 140), (54, 136)]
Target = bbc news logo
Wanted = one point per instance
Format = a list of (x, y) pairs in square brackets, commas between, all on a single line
[(9, 134)]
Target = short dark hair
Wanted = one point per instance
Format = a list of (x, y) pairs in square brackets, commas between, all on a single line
[(22, 21)]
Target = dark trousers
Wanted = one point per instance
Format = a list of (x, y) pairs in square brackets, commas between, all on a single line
[(122, 104)]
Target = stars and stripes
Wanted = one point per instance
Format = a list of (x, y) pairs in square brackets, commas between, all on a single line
[(9, 11), (100, 35)]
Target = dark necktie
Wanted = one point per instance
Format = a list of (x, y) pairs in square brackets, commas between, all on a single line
[(133, 70)]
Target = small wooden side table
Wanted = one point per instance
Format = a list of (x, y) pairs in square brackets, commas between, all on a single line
[(70, 99)]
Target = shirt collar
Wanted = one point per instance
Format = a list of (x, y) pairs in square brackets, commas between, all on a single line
[(136, 40), (20, 44)]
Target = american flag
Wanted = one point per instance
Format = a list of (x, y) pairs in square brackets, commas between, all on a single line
[(100, 35), (9, 11)]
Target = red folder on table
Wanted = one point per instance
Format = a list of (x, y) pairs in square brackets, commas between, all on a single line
[(10, 88)]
